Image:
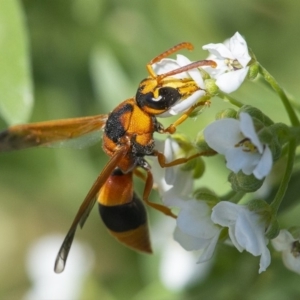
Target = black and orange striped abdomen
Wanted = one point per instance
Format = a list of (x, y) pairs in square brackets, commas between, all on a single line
[(123, 213)]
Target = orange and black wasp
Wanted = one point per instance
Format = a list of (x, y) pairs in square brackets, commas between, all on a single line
[(127, 139)]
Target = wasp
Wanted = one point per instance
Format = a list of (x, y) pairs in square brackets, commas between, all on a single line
[(127, 138)]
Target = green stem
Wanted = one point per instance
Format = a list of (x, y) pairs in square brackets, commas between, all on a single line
[(292, 143), (230, 99), (237, 197), (286, 177), (276, 87)]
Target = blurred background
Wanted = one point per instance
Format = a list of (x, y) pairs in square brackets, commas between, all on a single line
[(83, 57)]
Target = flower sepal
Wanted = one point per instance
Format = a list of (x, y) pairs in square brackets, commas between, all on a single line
[(241, 182), (255, 113), (262, 208), (268, 136)]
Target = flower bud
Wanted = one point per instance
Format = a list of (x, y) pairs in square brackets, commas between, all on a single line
[(253, 71), (211, 87), (281, 133), (256, 114), (226, 113), (259, 206), (199, 168), (241, 182), (206, 195)]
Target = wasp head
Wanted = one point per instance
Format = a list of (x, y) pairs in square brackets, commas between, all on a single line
[(157, 95)]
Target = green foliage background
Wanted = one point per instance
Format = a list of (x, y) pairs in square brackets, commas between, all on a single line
[(82, 57)]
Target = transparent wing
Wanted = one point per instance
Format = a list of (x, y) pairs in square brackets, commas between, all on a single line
[(86, 208), (57, 133)]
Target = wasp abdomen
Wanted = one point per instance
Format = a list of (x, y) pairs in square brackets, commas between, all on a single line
[(128, 223)]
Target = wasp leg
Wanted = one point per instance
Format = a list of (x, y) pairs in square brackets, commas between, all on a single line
[(162, 159), (172, 128), (140, 174), (147, 190), (184, 45)]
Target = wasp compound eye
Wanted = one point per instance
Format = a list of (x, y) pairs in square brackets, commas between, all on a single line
[(167, 97)]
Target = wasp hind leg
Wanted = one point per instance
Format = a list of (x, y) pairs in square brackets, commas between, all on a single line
[(147, 190)]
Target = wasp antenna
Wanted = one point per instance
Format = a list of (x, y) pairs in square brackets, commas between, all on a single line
[(184, 45), (61, 258), (194, 65)]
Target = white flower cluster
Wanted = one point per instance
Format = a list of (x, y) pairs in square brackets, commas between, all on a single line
[(201, 223), (231, 57)]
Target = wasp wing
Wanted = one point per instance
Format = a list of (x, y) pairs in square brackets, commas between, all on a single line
[(86, 208), (50, 133)]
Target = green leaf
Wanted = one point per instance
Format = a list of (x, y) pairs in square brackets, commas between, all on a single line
[(16, 95)]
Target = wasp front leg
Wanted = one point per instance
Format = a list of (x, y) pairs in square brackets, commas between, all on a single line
[(172, 128)]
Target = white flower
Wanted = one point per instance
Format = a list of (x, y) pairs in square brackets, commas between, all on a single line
[(166, 65), (232, 58), (246, 230), (290, 248), (195, 229), (238, 141), (174, 184)]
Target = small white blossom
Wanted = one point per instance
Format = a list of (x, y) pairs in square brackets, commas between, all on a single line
[(232, 58), (166, 65), (173, 184), (238, 141), (246, 230), (290, 248), (195, 229)]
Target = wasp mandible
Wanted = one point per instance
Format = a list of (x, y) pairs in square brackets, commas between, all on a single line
[(127, 138)]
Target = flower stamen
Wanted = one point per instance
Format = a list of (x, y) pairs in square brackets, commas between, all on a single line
[(233, 64), (295, 249), (247, 145)]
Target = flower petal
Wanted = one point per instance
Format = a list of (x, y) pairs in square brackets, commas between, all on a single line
[(219, 50), (238, 159), (265, 164), (183, 105), (283, 241), (265, 260), (209, 250), (188, 242), (223, 134), (239, 48), (193, 73), (248, 130), (246, 230), (194, 220), (231, 81)]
